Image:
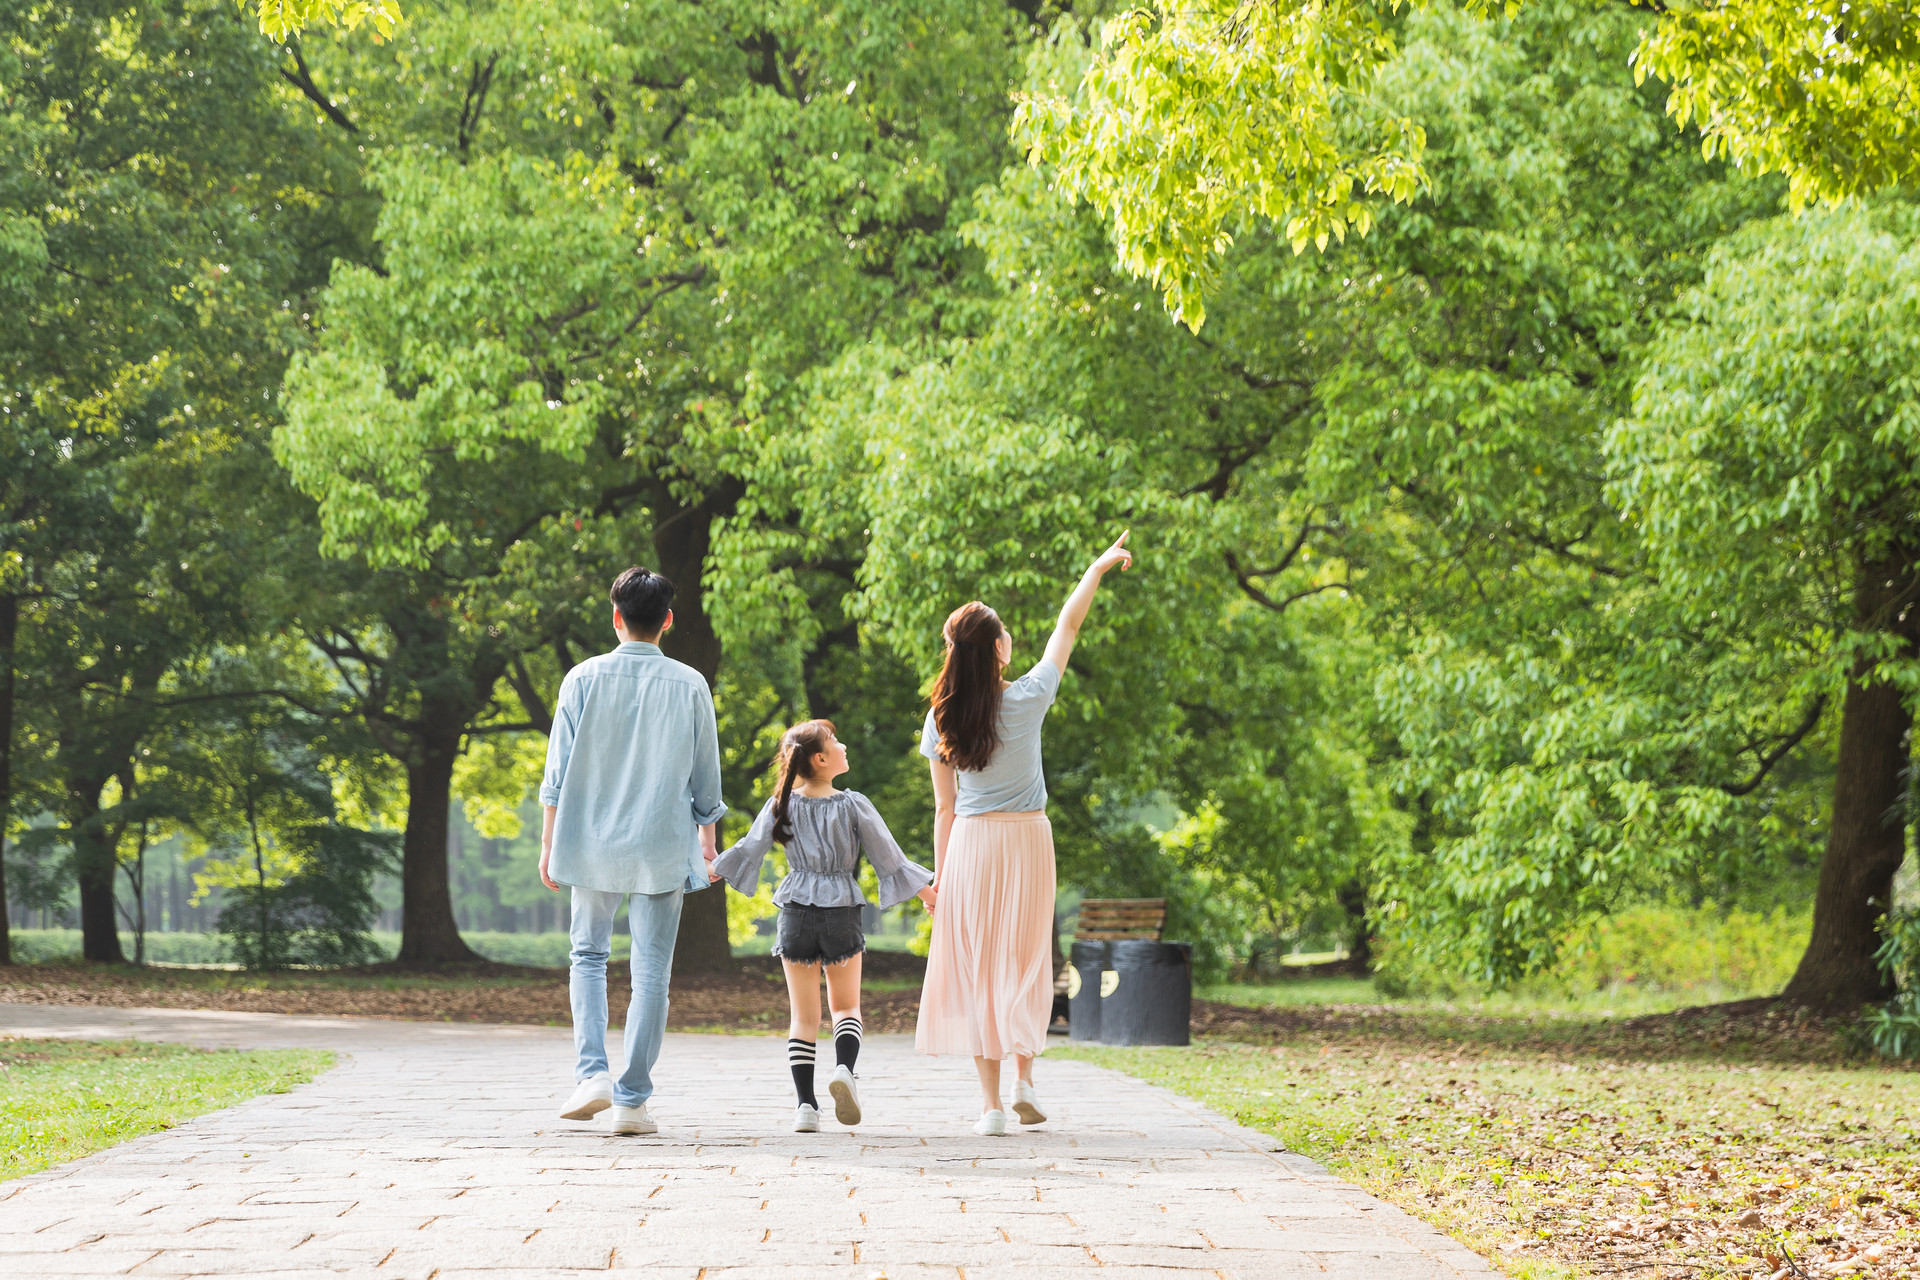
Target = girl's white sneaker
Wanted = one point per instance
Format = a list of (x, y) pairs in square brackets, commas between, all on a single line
[(991, 1124), (846, 1096), (1026, 1103), (806, 1119)]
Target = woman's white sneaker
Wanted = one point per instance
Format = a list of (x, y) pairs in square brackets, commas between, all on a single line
[(633, 1120), (1026, 1104), (846, 1096), (991, 1124), (590, 1097), (806, 1119)]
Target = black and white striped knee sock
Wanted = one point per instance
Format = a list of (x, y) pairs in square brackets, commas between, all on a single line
[(800, 1060), (846, 1041)]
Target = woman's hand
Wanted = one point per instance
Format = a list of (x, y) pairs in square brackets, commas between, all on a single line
[(1117, 554), (1074, 612), (927, 896)]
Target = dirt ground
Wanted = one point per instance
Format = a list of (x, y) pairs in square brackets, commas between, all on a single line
[(751, 996)]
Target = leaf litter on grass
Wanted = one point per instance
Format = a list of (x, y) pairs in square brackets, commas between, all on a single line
[(1651, 1148)]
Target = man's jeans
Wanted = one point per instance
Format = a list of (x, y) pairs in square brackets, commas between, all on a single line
[(654, 919)]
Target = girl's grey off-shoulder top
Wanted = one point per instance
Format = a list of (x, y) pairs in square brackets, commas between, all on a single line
[(829, 835)]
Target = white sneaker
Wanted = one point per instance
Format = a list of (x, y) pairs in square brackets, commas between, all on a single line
[(631, 1120), (806, 1119), (1026, 1103), (991, 1124), (846, 1096), (590, 1097)]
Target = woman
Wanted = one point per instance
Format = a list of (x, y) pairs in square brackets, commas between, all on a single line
[(989, 986)]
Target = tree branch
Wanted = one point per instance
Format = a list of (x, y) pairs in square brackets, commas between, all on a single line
[(1780, 752), (529, 695), (302, 79), (476, 101)]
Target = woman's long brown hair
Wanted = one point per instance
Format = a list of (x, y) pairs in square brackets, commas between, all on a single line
[(798, 746), (966, 697)]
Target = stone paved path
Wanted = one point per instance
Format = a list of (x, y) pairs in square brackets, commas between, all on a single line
[(434, 1150)]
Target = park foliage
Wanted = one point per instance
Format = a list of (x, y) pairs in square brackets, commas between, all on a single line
[(1525, 536)]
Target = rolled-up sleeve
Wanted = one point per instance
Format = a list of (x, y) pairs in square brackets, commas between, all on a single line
[(739, 866), (708, 807), (900, 877), (566, 722)]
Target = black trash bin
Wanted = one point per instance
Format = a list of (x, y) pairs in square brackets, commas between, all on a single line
[(1151, 1002), (1089, 961)]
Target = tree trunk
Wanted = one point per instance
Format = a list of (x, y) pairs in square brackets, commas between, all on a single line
[(1352, 897), (1865, 844), (93, 859), (428, 933), (681, 538), (1867, 837), (9, 626)]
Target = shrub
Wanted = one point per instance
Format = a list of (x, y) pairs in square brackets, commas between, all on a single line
[(1703, 952), (318, 914), (1893, 1029)]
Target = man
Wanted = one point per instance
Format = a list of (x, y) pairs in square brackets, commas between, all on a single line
[(632, 796)]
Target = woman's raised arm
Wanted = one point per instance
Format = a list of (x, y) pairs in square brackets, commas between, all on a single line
[(1074, 612)]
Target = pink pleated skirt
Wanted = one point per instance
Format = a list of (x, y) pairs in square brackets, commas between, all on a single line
[(989, 987)]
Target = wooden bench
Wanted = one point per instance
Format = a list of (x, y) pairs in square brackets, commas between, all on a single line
[(1107, 919), (1103, 919)]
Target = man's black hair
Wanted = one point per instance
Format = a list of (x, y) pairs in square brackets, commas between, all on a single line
[(643, 600)]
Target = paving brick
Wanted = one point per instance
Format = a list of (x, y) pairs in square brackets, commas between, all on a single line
[(371, 1171)]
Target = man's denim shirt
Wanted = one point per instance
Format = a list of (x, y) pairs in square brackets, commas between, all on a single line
[(633, 765)]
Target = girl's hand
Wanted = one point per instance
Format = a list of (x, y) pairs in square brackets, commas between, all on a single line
[(1117, 554), (928, 895)]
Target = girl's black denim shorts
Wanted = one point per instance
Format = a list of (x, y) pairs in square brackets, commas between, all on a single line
[(830, 935)]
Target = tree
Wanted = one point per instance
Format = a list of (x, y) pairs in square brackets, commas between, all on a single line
[(616, 247), (153, 222), (1771, 464), (1414, 419), (252, 789), (1193, 122)]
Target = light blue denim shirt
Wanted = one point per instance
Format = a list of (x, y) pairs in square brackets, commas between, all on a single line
[(633, 766)]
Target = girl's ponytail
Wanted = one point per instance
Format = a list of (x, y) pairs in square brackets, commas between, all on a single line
[(798, 746)]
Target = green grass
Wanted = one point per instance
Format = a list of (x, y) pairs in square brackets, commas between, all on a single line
[(1620, 1000), (1292, 991), (1556, 1159), (62, 1099)]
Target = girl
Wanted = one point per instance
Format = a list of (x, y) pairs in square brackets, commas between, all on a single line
[(989, 986), (825, 831)]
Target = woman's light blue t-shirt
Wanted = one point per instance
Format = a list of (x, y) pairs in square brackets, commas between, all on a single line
[(1013, 781)]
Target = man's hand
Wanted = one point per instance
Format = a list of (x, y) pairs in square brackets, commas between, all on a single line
[(546, 845), (713, 877)]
